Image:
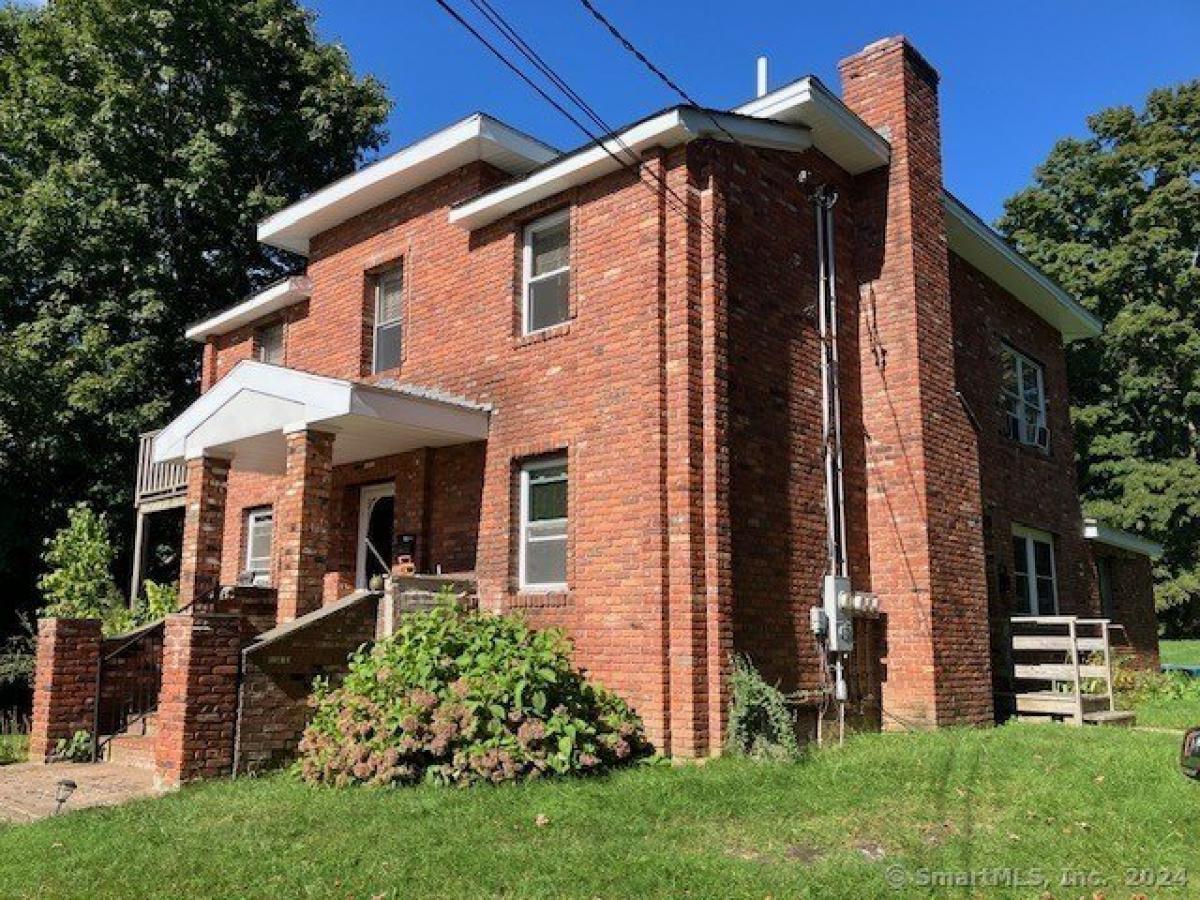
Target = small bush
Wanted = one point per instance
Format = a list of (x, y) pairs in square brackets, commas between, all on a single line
[(457, 697), (77, 749), (1140, 686), (760, 722)]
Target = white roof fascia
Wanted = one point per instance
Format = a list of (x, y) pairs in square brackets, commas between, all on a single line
[(266, 395), (278, 296), (836, 130), (667, 129), (1123, 540), (972, 239), (478, 137)]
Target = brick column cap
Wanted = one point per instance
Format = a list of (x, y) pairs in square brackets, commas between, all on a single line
[(871, 53)]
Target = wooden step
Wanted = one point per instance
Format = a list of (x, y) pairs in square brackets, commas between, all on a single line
[(1120, 718), (1057, 671), (1055, 642), (1058, 704)]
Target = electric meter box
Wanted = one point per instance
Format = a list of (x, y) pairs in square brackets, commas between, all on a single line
[(837, 603)]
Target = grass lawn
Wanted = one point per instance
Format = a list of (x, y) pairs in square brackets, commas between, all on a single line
[(1180, 653), (13, 748), (1042, 799)]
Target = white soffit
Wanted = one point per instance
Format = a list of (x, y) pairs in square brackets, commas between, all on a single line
[(478, 137), (836, 131), (278, 296), (245, 415), (1112, 537), (972, 239), (667, 129)]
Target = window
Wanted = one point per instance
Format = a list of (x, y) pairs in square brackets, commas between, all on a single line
[(543, 561), (260, 530), (547, 273), (1033, 566), (268, 344), (389, 290), (1023, 393)]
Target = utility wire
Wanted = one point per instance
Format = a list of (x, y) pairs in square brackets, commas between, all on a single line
[(598, 140), (662, 76)]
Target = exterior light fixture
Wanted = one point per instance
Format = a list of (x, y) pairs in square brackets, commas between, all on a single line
[(62, 792)]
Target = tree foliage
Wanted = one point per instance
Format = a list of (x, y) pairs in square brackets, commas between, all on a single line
[(140, 142), (1115, 218)]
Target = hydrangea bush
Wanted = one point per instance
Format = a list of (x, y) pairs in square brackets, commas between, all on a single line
[(458, 697)]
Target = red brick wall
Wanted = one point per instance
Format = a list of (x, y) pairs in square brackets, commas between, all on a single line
[(203, 520), (1133, 605), (64, 687), (303, 529)]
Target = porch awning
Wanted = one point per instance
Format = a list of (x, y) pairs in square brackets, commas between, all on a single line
[(245, 415)]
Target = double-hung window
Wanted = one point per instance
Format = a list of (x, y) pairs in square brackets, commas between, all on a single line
[(386, 328), (543, 554), (1033, 566), (260, 531), (547, 273), (1023, 393), (268, 344)]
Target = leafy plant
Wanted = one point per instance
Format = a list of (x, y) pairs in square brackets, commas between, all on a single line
[(77, 749), (79, 582), (456, 697), (14, 738), (1136, 687), (760, 722), (161, 600), (18, 653)]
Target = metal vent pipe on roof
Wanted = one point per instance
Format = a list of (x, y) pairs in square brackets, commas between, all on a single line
[(762, 76)]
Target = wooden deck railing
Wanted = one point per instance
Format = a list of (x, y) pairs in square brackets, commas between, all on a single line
[(157, 482), (1070, 661)]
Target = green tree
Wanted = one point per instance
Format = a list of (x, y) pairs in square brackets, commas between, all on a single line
[(140, 142), (1115, 217), (78, 583)]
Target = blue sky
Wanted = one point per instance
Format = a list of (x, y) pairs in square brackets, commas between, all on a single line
[(1016, 76)]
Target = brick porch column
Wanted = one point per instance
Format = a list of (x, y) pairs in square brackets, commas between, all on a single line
[(197, 705), (64, 691), (924, 507), (203, 528), (302, 522)]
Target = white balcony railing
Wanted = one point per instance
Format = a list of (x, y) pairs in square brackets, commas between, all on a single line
[(157, 483)]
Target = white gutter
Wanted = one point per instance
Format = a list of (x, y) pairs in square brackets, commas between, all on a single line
[(667, 129), (1123, 540), (276, 297), (972, 239)]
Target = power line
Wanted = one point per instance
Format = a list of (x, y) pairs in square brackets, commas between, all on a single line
[(514, 38), (662, 76)]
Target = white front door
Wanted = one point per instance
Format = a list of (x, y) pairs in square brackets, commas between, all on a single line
[(376, 531)]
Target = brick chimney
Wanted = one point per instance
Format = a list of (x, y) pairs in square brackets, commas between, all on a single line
[(924, 507)]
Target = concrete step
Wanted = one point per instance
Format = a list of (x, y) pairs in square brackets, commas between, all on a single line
[(133, 750), (1118, 718)]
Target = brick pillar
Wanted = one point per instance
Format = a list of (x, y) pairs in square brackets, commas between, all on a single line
[(302, 523), (64, 692), (197, 706), (203, 528), (924, 507)]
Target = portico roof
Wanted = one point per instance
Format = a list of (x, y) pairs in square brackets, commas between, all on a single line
[(245, 416)]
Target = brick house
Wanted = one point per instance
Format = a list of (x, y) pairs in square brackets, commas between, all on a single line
[(592, 386)]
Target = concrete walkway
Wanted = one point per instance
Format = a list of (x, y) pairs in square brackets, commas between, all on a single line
[(27, 789)]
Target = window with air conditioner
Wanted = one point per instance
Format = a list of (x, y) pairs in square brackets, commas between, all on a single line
[(386, 327), (1033, 570), (1023, 395), (547, 273), (260, 532), (543, 551)]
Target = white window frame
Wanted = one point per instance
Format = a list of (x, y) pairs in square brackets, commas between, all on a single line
[(528, 279), (1022, 364), (1030, 537), (549, 462), (262, 577), (392, 272)]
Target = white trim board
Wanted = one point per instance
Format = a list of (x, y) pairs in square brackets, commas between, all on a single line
[(477, 137), (278, 296), (1123, 540), (666, 129)]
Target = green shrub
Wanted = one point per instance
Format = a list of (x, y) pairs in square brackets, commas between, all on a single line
[(456, 697), (77, 749), (79, 582), (161, 600), (1140, 686), (760, 722)]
